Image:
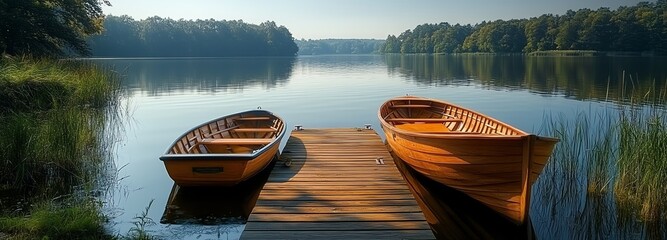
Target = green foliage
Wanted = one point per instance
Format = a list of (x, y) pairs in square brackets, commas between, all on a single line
[(642, 164), (37, 85), (339, 46), (54, 139), (165, 37), (53, 121), (139, 231), (429, 38), (606, 177), (640, 28), (80, 220), (48, 27)]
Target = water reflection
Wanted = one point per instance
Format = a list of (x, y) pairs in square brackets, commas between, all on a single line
[(584, 78), (168, 96), (164, 75), (455, 215), (214, 205)]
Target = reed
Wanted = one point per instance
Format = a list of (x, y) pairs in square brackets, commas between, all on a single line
[(51, 151), (54, 116), (561, 190), (613, 163), (50, 220), (141, 223), (58, 121), (642, 164), (601, 154), (36, 85), (586, 148)]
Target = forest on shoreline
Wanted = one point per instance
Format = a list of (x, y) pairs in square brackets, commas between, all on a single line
[(164, 37), (339, 46), (640, 28)]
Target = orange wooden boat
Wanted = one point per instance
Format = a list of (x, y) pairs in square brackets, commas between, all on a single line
[(225, 151), (488, 160)]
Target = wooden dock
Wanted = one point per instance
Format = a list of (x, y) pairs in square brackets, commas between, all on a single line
[(341, 184)]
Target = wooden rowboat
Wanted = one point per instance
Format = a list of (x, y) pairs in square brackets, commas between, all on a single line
[(488, 160), (225, 151)]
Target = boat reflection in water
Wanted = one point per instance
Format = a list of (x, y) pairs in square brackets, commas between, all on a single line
[(454, 215), (214, 205)]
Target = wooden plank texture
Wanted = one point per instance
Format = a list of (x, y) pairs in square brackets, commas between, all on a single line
[(341, 184)]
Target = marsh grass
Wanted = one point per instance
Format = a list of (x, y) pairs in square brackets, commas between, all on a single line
[(141, 223), (58, 121), (37, 85), (586, 147), (607, 175), (51, 220), (642, 164), (52, 150), (54, 116)]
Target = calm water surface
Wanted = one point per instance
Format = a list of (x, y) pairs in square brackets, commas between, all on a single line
[(166, 97)]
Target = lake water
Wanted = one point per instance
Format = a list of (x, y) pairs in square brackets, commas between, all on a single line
[(165, 97)]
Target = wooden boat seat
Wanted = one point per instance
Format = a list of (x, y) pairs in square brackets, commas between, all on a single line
[(426, 120), (410, 106), (237, 141), (251, 130), (218, 132), (253, 119), (430, 128)]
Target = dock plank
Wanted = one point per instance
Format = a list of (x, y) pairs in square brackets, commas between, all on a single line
[(343, 235), (341, 184)]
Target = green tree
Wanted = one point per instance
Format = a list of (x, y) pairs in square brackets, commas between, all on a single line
[(165, 37), (630, 33), (568, 31), (540, 33), (641, 28), (392, 45), (597, 31), (48, 27)]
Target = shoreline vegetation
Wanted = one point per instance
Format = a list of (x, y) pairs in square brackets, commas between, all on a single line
[(338, 46), (547, 53), (634, 29), (59, 117), (614, 163), (55, 141), (165, 37)]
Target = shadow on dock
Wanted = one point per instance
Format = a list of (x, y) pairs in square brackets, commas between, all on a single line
[(454, 215), (289, 161)]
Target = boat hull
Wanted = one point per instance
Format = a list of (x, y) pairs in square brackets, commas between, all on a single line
[(495, 169), (223, 171)]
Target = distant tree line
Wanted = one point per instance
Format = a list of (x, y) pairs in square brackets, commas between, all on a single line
[(339, 46), (164, 37), (640, 28)]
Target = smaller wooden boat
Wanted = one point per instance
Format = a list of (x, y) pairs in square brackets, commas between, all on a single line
[(482, 157), (225, 151)]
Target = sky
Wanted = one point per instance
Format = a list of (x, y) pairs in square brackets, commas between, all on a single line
[(376, 19)]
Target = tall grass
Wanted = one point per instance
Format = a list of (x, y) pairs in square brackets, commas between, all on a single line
[(56, 149), (609, 171), (57, 122), (641, 170), (49, 220), (53, 116), (642, 164), (33, 85)]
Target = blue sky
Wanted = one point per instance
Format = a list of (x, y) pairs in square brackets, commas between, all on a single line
[(312, 19)]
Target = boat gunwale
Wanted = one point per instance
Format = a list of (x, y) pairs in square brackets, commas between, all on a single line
[(223, 156), (449, 135), (209, 156)]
